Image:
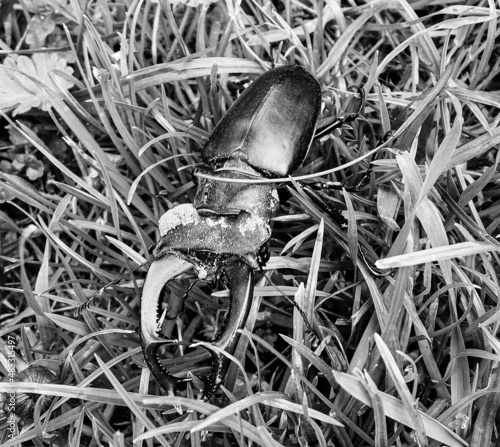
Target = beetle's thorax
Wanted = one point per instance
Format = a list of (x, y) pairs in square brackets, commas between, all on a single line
[(232, 198), (237, 163)]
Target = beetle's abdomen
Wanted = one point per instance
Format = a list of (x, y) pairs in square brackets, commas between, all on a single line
[(271, 125)]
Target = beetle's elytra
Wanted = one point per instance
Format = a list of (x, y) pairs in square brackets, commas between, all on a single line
[(271, 125)]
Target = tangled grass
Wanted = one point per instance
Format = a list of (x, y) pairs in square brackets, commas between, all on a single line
[(403, 302)]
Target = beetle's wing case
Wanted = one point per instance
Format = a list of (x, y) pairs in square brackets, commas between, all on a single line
[(271, 125)]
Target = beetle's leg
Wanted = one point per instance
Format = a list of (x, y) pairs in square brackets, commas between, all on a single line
[(293, 303), (327, 204), (160, 273), (347, 118), (386, 137), (338, 186), (240, 279), (369, 171), (263, 255), (324, 202), (364, 179), (183, 301)]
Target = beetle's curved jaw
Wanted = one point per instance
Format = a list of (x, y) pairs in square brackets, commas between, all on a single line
[(160, 273), (240, 279)]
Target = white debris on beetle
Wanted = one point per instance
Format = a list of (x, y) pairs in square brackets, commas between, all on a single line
[(184, 214), (251, 224), (202, 273), (211, 222)]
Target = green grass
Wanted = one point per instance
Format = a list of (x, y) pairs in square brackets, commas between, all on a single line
[(407, 358)]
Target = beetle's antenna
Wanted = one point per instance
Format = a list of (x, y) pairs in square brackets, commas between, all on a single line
[(86, 305), (183, 300)]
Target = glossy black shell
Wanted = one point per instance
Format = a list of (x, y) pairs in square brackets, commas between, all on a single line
[(271, 125)]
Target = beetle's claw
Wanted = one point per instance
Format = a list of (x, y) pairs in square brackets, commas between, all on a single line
[(166, 380), (239, 277), (159, 274)]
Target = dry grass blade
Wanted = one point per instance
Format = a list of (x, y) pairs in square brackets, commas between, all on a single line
[(294, 385), (128, 401), (396, 410), (397, 378), (312, 280), (275, 400), (379, 415), (306, 352), (460, 250), (182, 70), (486, 420)]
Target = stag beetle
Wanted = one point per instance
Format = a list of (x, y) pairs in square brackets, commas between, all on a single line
[(265, 134)]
